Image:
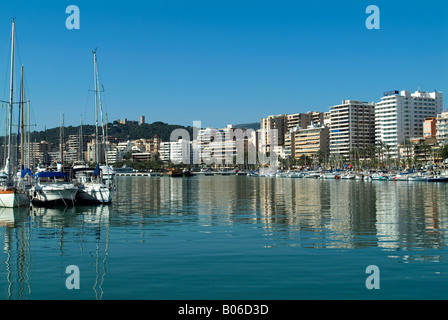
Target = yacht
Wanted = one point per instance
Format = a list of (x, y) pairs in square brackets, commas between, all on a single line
[(11, 193), (53, 188), (91, 189)]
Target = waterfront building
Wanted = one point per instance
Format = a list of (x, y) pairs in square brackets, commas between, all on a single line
[(352, 127), (327, 118), (141, 156), (225, 145), (309, 141), (442, 128), (400, 116), (430, 127), (91, 151), (181, 152), (419, 150), (304, 120), (165, 151), (274, 126)]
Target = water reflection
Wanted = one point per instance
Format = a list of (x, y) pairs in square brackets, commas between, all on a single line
[(311, 213), (35, 237), (405, 221)]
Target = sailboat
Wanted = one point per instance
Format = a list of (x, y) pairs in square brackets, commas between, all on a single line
[(11, 194), (53, 188), (91, 188)]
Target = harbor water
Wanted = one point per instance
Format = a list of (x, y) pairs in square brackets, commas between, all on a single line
[(233, 237)]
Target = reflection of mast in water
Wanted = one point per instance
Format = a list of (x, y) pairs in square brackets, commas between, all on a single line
[(8, 219), (100, 212), (98, 216)]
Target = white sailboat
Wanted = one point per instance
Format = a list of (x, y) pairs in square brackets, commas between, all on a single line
[(11, 194), (91, 188), (53, 188)]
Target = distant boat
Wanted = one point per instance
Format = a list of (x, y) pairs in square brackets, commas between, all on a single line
[(401, 177), (377, 176), (417, 178), (328, 175), (175, 173), (188, 173), (295, 175), (437, 179)]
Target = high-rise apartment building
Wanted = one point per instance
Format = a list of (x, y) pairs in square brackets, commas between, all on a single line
[(307, 141), (400, 116), (352, 126), (442, 128), (273, 126), (304, 120)]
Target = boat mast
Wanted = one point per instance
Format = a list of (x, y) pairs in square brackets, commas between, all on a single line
[(101, 113), (8, 161), (81, 144), (22, 127), (96, 106), (29, 135), (61, 133)]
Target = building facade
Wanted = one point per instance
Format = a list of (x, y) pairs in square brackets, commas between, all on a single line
[(442, 128), (400, 116), (309, 141), (352, 127)]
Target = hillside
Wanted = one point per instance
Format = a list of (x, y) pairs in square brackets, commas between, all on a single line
[(116, 129)]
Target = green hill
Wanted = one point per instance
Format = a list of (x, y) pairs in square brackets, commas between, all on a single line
[(116, 129)]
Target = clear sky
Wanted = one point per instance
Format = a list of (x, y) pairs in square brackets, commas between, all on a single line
[(219, 62)]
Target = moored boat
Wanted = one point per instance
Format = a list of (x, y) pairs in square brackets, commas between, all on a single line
[(437, 179), (53, 188)]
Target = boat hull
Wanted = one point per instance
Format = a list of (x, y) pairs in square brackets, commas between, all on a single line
[(53, 195), (437, 179), (94, 194), (13, 199)]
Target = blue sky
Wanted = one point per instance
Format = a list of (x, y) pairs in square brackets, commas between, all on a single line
[(220, 62)]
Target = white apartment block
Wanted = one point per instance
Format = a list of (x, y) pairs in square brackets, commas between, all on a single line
[(181, 152), (442, 128), (352, 126), (165, 151), (275, 127), (400, 116)]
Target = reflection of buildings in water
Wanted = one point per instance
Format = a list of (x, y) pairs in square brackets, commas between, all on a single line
[(362, 213), (147, 194), (178, 194), (340, 222), (410, 216), (218, 197), (387, 224)]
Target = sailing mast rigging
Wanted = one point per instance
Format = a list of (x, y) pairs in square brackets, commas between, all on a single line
[(11, 97)]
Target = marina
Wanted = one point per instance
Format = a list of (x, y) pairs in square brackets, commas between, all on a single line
[(233, 237), (225, 155)]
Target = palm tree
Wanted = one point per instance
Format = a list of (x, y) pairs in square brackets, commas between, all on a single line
[(380, 146), (387, 150), (425, 148)]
